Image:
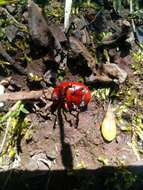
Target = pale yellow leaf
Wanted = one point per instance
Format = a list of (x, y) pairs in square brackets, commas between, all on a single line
[(108, 127)]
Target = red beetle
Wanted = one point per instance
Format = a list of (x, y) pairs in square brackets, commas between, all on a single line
[(71, 96)]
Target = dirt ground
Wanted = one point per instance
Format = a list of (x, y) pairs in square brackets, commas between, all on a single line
[(74, 148), (66, 157)]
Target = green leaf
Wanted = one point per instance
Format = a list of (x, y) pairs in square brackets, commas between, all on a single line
[(5, 2), (24, 110), (117, 4)]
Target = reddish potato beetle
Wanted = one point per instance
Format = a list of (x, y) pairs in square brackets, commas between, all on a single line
[(72, 96)]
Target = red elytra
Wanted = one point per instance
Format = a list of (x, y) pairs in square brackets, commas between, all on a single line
[(72, 95)]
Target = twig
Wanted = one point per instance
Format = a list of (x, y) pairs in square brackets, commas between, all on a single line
[(98, 13), (5, 135), (24, 95), (132, 20)]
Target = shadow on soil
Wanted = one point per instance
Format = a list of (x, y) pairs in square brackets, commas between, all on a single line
[(103, 178)]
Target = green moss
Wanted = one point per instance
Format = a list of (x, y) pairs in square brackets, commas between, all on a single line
[(54, 9), (14, 126)]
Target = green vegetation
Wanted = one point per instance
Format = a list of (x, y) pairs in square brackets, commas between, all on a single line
[(14, 126), (121, 178)]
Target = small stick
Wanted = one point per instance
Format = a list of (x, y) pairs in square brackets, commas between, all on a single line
[(25, 95), (5, 135)]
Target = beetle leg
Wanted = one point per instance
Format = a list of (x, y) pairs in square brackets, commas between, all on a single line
[(66, 118), (76, 116), (77, 119)]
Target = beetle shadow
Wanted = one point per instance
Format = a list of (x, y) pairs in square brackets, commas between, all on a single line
[(66, 152)]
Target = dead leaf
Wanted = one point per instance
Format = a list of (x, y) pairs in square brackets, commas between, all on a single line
[(108, 127)]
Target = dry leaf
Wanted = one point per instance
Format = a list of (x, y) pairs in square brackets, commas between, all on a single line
[(108, 127)]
